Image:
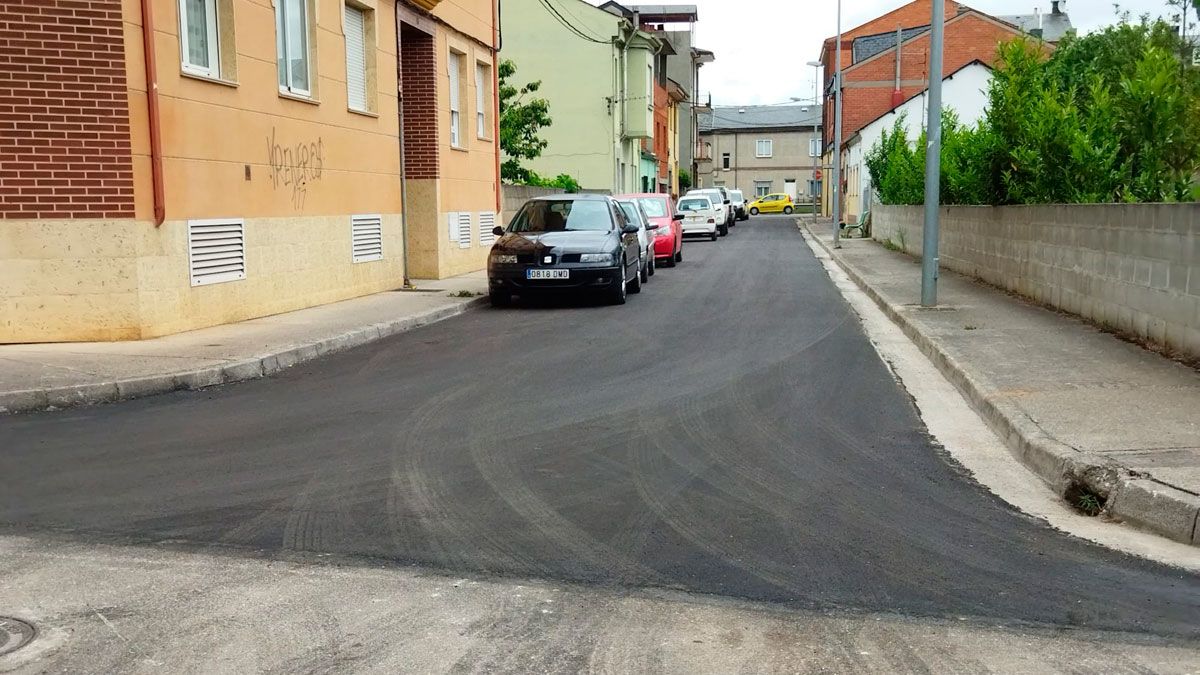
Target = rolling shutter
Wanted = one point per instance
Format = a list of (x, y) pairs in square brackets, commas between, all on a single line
[(366, 234), (487, 221), (216, 251), (356, 58)]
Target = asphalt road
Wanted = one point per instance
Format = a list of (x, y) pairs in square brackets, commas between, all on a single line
[(730, 431)]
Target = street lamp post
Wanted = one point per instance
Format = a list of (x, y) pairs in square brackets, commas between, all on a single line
[(816, 157), (933, 160), (837, 136)]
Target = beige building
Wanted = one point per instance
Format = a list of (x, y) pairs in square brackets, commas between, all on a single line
[(761, 149), (186, 163)]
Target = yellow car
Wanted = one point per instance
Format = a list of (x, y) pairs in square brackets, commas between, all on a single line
[(775, 203)]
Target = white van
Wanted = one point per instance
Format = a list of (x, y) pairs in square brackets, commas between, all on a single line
[(720, 200), (700, 215)]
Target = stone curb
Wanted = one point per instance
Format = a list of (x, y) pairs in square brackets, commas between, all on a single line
[(235, 371), (1130, 496)]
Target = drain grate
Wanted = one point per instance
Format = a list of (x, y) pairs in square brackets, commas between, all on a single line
[(14, 634)]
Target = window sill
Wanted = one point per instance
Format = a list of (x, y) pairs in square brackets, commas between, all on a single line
[(297, 97), (207, 78), (485, 139), (364, 113), (459, 148)]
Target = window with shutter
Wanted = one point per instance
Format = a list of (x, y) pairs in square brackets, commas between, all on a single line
[(356, 58), (366, 237), (216, 251), (455, 95), (763, 148), (464, 229)]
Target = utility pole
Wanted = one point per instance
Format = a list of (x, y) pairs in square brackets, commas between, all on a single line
[(933, 159), (816, 156), (837, 136)]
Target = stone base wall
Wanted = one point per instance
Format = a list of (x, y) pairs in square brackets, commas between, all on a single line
[(82, 280), (1131, 267)]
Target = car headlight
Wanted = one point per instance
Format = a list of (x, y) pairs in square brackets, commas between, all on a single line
[(595, 258), (504, 258)]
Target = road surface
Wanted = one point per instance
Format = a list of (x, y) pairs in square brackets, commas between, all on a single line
[(730, 431)]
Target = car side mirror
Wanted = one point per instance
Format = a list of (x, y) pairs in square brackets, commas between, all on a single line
[(726, 201), (677, 217), (651, 226), (630, 228), (498, 231)]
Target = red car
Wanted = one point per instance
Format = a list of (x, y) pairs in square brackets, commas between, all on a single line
[(668, 238)]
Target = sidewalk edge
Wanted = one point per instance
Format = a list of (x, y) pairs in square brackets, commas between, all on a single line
[(1137, 499), (32, 400)]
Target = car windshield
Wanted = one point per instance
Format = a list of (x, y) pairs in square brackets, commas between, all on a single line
[(547, 215), (631, 212), (655, 207), (694, 205), (736, 195)]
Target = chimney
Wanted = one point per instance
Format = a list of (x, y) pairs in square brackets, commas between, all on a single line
[(1054, 9)]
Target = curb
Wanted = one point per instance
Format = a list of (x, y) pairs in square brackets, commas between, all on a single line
[(1129, 496), (31, 400)]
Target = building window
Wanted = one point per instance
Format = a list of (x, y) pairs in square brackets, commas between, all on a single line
[(762, 148), (360, 58), (198, 37), (762, 188), (456, 65), (293, 20), (725, 160), (814, 147), (483, 100)]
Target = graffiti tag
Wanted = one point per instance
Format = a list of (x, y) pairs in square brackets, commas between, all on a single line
[(295, 166)]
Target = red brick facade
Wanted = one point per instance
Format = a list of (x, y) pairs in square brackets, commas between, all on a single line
[(661, 149), (64, 110), (418, 84), (869, 85)]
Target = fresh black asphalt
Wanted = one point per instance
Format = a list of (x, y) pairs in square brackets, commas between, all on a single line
[(730, 431)]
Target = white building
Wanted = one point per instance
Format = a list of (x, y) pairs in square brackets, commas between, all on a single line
[(964, 91)]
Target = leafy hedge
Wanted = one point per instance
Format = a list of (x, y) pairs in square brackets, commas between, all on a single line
[(1113, 116)]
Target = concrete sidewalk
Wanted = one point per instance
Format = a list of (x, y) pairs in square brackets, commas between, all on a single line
[(1086, 411), (40, 376)]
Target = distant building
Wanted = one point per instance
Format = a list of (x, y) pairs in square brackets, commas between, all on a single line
[(963, 91), (761, 149), (597, 71), (1050, 27), (885, 63)]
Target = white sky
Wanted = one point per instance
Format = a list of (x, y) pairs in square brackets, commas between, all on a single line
[(762, 46)]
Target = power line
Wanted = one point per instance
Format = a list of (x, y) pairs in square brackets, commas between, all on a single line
[(569, 26)]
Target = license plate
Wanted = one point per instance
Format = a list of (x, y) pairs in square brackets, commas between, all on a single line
[(547, 274), (695, 219)]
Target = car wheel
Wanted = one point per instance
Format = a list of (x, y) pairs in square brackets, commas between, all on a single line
[(787, 210), (617, 292), (679, 253), (713, 236), (650, 264), (500, 298), (753, 211), (643, 273), (723, 229), (635, 286), (670, 262)]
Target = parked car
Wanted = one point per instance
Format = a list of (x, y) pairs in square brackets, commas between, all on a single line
[(700, 215), (668, 238), (634, 212), (772, 203), (566, 242), (738, 202), (720, 199)]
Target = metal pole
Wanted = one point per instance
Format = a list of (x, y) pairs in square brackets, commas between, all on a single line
[(933, 160), (837, 138), (404, 222)]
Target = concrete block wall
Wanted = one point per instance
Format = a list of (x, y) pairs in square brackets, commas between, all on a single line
[(516, 195), (1132, 267)]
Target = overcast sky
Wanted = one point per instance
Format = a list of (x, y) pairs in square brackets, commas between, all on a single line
[(762, 46)]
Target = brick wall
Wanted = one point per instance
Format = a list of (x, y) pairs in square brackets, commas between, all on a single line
[(1132, 267), (64, 110), (661, 149), (418, 83)]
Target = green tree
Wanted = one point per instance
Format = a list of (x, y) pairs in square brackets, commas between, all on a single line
[(520, 122), (685, 178)]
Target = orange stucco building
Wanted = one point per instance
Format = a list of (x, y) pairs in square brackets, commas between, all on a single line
[(175, 164)]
